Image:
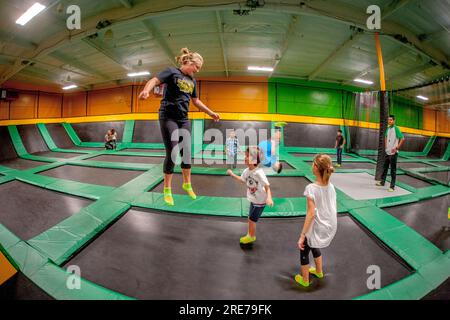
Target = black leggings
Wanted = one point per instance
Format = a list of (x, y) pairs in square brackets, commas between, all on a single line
[(304, 255), (172, 136)]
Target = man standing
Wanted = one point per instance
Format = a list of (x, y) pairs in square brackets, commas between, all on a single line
[(393, 141)]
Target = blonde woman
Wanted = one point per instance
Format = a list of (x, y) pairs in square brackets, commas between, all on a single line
[(181, 87)]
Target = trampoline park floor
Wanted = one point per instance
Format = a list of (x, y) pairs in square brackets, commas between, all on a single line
[(144, 249), (178, 256)]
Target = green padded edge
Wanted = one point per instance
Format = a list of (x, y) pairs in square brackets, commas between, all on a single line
[(429, 145), (72, 134), (128, 132), (407, 243), (60, 242)]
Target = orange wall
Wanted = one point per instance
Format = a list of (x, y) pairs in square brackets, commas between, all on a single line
[(74, 105), (235, 96), (429, 119), (443, 121), (109, 101), (142, 106), (4, 110), (25, 107), (50, 105)]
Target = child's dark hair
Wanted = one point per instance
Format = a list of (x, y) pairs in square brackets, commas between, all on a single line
[(392, 116), (113, 131), (254, 152), (340, 131)]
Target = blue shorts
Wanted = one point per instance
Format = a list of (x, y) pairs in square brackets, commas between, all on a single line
[(255, 211)]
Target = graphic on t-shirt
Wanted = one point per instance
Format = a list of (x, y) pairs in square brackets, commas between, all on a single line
[(252, 185), (185, 86)]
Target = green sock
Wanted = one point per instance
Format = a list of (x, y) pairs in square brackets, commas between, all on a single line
[(168, 196), (188, 188)]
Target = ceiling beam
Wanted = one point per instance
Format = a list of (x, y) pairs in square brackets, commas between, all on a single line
[(344, 46), (220, 28), (411, 72), (288, 36), (355, 17), (386, 60), (107, 51), (64, 58), (393, 7), (126, 3), (162, 43)]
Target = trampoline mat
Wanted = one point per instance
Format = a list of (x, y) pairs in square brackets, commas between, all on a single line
[(443, 163), (129, 159), (144, 150), (19, 287), (413, 182), (411, 165), (28, 210), (312, 155), (157, 255), (429, 218), (224, 165), (63, 155), (354, 165), (226, 186), (22, 164), (98, 176), (442, 176)]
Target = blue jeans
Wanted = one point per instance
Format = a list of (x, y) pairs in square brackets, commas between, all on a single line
[(339, 155), (255, 211)]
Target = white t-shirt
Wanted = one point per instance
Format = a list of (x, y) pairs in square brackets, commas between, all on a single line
[(256, 180), (324, 226)]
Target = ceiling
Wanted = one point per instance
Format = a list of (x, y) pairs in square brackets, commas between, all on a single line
[(315, 40)]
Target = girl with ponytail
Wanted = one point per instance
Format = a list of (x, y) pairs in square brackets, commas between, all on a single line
[(321, 219), (180, 88)]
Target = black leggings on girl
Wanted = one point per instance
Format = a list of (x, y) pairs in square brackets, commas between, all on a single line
[(174, 132), (304, 255)]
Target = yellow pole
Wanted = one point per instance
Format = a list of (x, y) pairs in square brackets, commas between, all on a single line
[(380, 62)]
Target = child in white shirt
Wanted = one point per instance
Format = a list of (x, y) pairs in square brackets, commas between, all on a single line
[(258, 191), (321, 219)]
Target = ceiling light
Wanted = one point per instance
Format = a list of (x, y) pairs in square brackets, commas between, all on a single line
[(267, 69), (363, 81), (70, 87), (139, 74), (423, 98), (30, 14)]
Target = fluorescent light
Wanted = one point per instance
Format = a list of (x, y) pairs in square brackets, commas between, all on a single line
[(139, 74), (363, 81), (70, 87), (267, 69), (30, 14), (423, 98)]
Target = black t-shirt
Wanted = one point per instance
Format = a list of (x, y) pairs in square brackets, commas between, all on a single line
[(179, 90), (340, 141)]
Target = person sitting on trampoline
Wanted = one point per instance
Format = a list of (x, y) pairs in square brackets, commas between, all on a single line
[(320, 224), (270, 149), (173, 116), (258, 191), (111, 140)]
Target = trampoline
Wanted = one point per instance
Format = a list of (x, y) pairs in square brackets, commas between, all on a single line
[(128, 159), (178, 256), (191, 250), (225, 186), (429, 218), (97, 176), (33, 210)]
